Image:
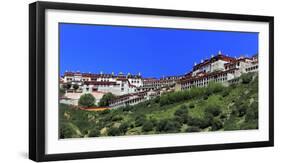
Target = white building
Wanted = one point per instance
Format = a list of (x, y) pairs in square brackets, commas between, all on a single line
[(117, 84), (219, 68)]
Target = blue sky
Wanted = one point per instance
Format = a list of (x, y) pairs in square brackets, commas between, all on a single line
[(154, 52)]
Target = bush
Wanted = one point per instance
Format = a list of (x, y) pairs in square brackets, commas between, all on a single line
[(117, 118), (215, 110), (223, 116), (172, 126), (246, 78), (113, 131), (205, 97), (126, 108), (87, 100), (192, 129), (214, 88), (164, 100), (104, 112), (147, 126), (225, 92), (191, 105), (168, 126), (216, 124), (201, 123), (240, 109), (139, 121), (94, 133), (182, 110), (123, 127), (157, 99), (252, 112), (181, 115), (106, 98), (196, 92), (67, 132)]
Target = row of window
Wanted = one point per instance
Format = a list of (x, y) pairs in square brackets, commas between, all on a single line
[(204, 82), (252, 68), (135, 81)]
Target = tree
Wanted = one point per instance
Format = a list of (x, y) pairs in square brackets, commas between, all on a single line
[(147, 126), (67, 86), (106, 98), (75, 87), (87, 100)]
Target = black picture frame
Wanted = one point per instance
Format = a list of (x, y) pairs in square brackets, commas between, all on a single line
[(37, 80)]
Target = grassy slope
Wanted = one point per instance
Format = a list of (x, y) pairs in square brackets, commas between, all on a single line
[(77, 123)]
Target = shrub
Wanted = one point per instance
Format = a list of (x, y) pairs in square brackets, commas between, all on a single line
[(192, 129), (181, 115), (216, 124), (117, 118), (113, 131), (240, 109), (246, 78), (252, 112), (191, 105), (182, 110), (104, 112), (201, 123), (223, 116), (139, 121), (147, 126), (215, 110), (168, 126), (67, 132), (172, 126), (164, 100), (94, 133), (225, 92), (157, 99), (196, 92), (87, 100), (123, 127), (205, 97), (213, 88), (126, 108)]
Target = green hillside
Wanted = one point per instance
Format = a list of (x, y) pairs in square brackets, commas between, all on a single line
[(214, 108)]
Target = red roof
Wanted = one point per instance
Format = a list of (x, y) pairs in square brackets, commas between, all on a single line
[(213, 59)]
